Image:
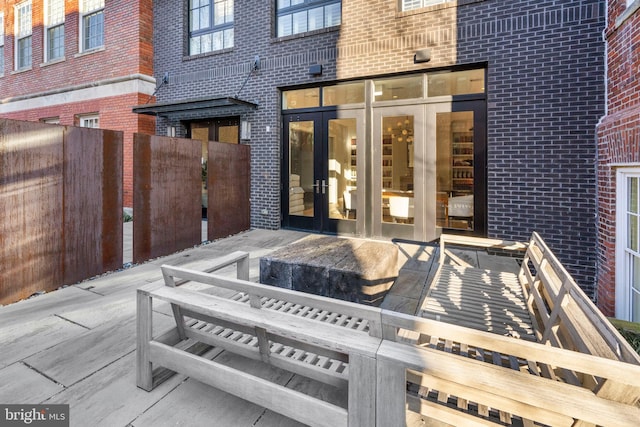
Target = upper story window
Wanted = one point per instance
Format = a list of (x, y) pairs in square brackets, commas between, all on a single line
[(92, 24), (23, 35), (417, 4), (300, 16), (54, 30), (1, 44), (210, 25)]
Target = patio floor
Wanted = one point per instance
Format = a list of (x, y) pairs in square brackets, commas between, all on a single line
[(77, 345)]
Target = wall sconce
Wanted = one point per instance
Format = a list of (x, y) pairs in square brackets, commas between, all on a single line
[(245, 129), (422, 55), (171, 131)]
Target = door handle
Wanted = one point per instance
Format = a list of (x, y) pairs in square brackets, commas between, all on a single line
[(319, 186), (324, 186)]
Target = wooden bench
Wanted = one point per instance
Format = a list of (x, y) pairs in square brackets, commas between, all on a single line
[(323, 339), (397, 368), (562, 318)]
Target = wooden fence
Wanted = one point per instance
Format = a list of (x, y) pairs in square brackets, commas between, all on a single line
[(61, 204)]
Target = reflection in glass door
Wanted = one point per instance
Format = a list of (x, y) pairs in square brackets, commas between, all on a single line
[(343, 190)]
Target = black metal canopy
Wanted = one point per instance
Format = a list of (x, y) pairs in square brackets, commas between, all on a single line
[(191, 105)]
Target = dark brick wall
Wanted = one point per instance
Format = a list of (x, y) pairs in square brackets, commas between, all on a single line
[(545, 62), (618, 138)]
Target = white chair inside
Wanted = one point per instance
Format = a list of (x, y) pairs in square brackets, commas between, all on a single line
[(401, 208)]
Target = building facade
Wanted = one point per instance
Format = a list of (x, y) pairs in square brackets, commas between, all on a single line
[(398, 118), (619, 167), (79, 62)]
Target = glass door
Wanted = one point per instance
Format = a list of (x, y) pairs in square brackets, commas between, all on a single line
[(320, 172), (400, 182), (460, 141)]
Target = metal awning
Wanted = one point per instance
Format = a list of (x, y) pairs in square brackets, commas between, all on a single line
[(191, 105)]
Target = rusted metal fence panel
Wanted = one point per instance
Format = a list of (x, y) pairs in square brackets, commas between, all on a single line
[(228, 182), (166, 195), (92, 202), (48, 187)]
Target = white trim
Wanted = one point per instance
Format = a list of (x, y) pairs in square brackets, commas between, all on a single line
[(135, 84), (623, 310)]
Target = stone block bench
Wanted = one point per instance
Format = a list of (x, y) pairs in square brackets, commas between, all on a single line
[(347, 269)]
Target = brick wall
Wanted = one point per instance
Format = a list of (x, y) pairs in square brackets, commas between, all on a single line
[(618, 137), (545, 94), (128, 50)]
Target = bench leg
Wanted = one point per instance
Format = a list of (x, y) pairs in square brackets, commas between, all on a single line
[(391, 392), (362, 391), (144, 369)]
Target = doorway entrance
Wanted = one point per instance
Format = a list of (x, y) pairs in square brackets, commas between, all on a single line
[(224, 129), (321, 158)]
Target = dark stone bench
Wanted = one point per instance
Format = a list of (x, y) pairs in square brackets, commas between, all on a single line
[(348, 269)]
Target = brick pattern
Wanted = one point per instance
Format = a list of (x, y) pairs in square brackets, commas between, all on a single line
[(128, 50), (545, 95), (618, 138)]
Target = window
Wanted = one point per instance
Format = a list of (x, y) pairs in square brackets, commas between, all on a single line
[(23, 35), (628, 245), (417, 4), (300, 16), (92, 121), (92, 27), (51, 120), (54, 30), (210, 25), (1, 44)]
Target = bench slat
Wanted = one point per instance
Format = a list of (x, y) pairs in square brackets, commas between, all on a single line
[(291, 403)]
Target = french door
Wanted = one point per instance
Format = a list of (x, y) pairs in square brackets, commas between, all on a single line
[(429, 170), (320, 171)]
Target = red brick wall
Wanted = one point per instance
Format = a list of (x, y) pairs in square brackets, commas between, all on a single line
[(128, 49), (618, 137)]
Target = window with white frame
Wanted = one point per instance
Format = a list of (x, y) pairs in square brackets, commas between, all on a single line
[(23, 35), (90, 121), (210, 25), (628, 245), (54, 30), (92, 24), (417, 4), (1, 44), (301, 16)]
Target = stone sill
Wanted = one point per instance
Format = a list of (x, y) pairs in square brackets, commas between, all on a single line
[(633, 8)]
